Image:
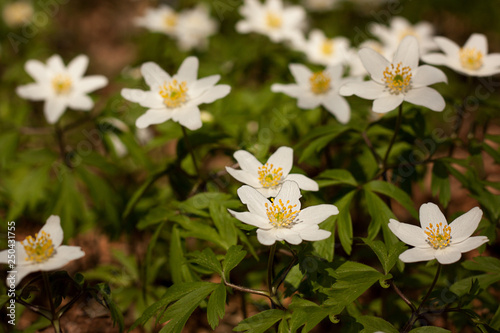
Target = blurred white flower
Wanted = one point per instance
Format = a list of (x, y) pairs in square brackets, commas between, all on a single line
[(400, 28), (356, 67), (161, 19), (272, 19), (436, 239), (320, 5), (61, 87), (281, 219), (397, 81), (194, 27), (43, 252), (16, 14), (472, 59), (324, 51), (268, 178), (319, 88), (175, 97)]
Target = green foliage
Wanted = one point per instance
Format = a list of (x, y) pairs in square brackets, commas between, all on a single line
[(261, 322)]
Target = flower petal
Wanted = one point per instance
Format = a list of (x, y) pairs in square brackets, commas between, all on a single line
[(374, 63), (153, 116), (54, 109), (426, 75), (338, 106), (214, 94), (470, 243), (308, 101), (37, 70), (78, 66), (188, 71), (55, 64), (154, 75), (188, 117), (449, 47), (53, 228), (387, 103), (409, 234), (291, 90), (478, 42), (23, 271), (430, 213), (300, 73), (282, 158), (315, 235), (68, 253), (289, 192), (289, 236), (255, 201), (252, 219), (448, 255), (465, 225), (418, 254), (266, 237), (407, 52), (317, 214), (148, 99), (33, 91), (244, 177), (366, 89), (435, 59), (427, 97), (199, 87), (80, 102), (91, 83), (305, 183), (247, 162)]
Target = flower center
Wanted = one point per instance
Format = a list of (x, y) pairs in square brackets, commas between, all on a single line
[(174, 93), (470, 58), (320, 83), (270, 176), (273, 20), (397, 78), (282, 215), (38, 249), (62, 84), (170, 20), (327, 47), (438, 237)]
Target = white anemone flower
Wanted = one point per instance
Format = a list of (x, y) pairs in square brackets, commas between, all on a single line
[(272, 19), (319, 88), (400, 28), (194, 27), (472, 59), (397, 81), (322, 50), (43, 252), (268, 178), (436, 239), (60, 86), (161, 19), (175, 97), (281, 218)]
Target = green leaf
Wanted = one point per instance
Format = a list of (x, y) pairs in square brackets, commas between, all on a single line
[(440, 183), (484, 264), (104, 291), (344, 222), (155, 215), (429, 329), (148, 262), (492, 152), (373, 324), (200, 230), (178, 265), (495, 321), (216, 306), (207, 259), (326, 248), (316, 145), (336, 176), (223, 222), (380, 214), (393, 192), (233, 257), (261, 322), (463, 286), (307, 314), (387, 258), (199, 202)]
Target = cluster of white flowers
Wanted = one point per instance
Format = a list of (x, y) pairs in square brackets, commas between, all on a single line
[(191, 27)]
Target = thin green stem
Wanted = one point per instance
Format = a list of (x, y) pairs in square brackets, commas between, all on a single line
[(270, 270), (190, 148), (54, 319), (431, 288), (393, 139)]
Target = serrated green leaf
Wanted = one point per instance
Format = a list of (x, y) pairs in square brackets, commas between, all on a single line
[(178, 266), (373, 324), (344, 222), (207, 259), (235, 254), (155, 215), (216, 306), (463, 286), (380, 214), (387, 258), (484, 264), (336, 176), (200, 230), (261, 322), (393, 192), (307, 314), (223, 222)]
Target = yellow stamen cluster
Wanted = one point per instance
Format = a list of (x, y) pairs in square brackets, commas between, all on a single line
[(470, 58), (327, 47), (281, 215), (62, 84), (269, 176), (273, 20), (174, 93), (170, 20), (438, 237), (397, 78), (38, 249), (320, 83)]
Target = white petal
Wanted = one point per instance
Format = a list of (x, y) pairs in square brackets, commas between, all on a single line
[(300, 73), (53, 109), (289, 194), (426, 75), (291, 90), (64, 254), (91, 83), (252, 219), (308, 102), (148, 99), (188, 117), (430, 213), (198, 87), (289, 236), (409, 234), (153, 116), (269, 192), (23, 271), (478, 42), (189, 70), (317, 214), (282, 158), (339, 107), (470, 243), (266, 237), (418, 254), (407, 52), (33, 91), (305, 183), (448, 255), (37, 70), (154, 75), (244, 177), (374, 63), (214, 94), (387, 103), (427, 97), (465, 225), (436, 59), (53, 228), (81, 102), (315, 235), (78, 66), (449, 47), (255, 201), (55, 64), (247, 162), (366, 89)]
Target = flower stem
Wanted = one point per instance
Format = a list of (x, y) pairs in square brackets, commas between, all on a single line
[(393, 139), (190, 148), (270, 270), (54, 319), (60, 141)]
